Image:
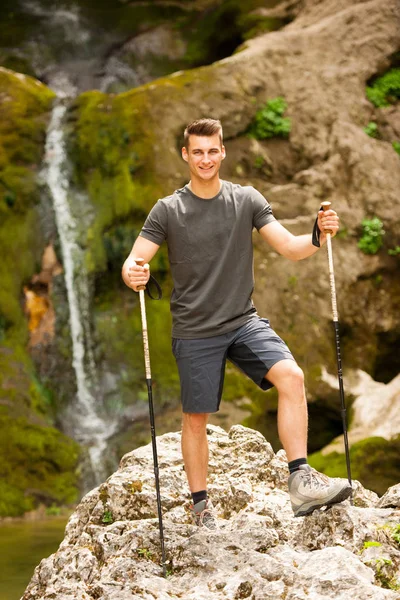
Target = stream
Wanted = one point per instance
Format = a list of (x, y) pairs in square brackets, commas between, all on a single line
[(23, 544)]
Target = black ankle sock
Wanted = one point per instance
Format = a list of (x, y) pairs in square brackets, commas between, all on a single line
[(295, 464), (199, 496)]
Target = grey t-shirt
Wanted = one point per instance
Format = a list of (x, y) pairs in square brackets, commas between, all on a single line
[(211, 256)]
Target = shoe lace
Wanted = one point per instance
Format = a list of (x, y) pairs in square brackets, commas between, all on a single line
[(314, 479), (207, 519)]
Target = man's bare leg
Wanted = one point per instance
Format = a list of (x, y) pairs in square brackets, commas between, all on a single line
[(308, 489), (195, 449), (288, 379)]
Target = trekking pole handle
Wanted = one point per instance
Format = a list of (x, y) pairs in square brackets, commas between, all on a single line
[(140, 262), (141, 290), (326, 206)]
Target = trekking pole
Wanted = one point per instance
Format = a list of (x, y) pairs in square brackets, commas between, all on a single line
[(326, 206), (152, 420)]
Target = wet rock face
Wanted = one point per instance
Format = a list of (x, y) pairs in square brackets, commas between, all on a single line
[(111, 548), (115, 46)]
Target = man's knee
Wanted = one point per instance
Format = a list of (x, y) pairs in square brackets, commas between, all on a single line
[(195, 422), (286, 374)]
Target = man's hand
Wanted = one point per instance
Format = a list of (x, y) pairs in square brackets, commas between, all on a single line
[(328, 222), (138, 275)]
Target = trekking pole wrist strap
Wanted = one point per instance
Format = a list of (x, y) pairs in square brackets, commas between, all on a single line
[(153, 283)]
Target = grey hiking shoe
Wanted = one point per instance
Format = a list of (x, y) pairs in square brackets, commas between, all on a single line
[(205, 515), (310, 489)]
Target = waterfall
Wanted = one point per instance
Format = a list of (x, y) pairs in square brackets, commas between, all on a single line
[(88, 425)]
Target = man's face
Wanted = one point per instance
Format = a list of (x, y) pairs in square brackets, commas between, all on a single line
[(204, 156)]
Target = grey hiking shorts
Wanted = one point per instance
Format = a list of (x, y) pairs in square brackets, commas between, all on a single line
[(254, 348)]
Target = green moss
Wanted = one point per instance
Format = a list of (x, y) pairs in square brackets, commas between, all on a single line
[(374, 462), (254, 24), (37, 463), (120, 330), (112, 151), (13, 501), (23, 111)]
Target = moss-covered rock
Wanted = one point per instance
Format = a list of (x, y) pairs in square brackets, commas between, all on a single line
[(26, 409), (374, 462), (24, 106), (52, 460)]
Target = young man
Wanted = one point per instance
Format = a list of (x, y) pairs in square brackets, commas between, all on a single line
[(208, 229)]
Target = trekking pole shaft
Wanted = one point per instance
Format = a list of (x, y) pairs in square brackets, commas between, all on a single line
[(325, 206), (152, 424), (145, 335)]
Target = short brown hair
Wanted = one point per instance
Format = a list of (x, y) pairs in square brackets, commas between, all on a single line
[(203, 127)]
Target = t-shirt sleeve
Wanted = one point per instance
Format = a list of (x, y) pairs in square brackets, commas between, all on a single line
[(262, 211), (155, 227)]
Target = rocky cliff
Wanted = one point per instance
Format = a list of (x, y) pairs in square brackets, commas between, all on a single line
[(111, 547)]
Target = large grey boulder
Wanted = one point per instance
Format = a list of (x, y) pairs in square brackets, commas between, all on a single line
[(111, 549)]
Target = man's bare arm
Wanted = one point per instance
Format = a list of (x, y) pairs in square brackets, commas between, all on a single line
[(135, 275), (297, 247)]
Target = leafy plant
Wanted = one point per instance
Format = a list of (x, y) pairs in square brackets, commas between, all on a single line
[(372, 129), (372, 235), (396, 534), (371, 545), (381, 573), (396, 147), (107, 517), (394, 251), (145, 553), (269, 121), (386, 89)]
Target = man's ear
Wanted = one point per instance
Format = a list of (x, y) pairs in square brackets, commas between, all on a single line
[(185, 155), (223, 152)]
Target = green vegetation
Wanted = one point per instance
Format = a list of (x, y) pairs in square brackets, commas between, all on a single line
[(52, 458), (372, 236), (396, 147), (269, 121), (396, 534), (259, 162), (372, 129), (254, 24), (384, 573), (371, 545), (374, 462), (385, 90), (22, 132), (145, 553), (394, 251), (107, 517)]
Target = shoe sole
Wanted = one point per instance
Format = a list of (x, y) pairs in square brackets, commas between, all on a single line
[(342, 495)]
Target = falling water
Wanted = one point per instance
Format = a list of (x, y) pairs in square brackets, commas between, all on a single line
[(88, 426)]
